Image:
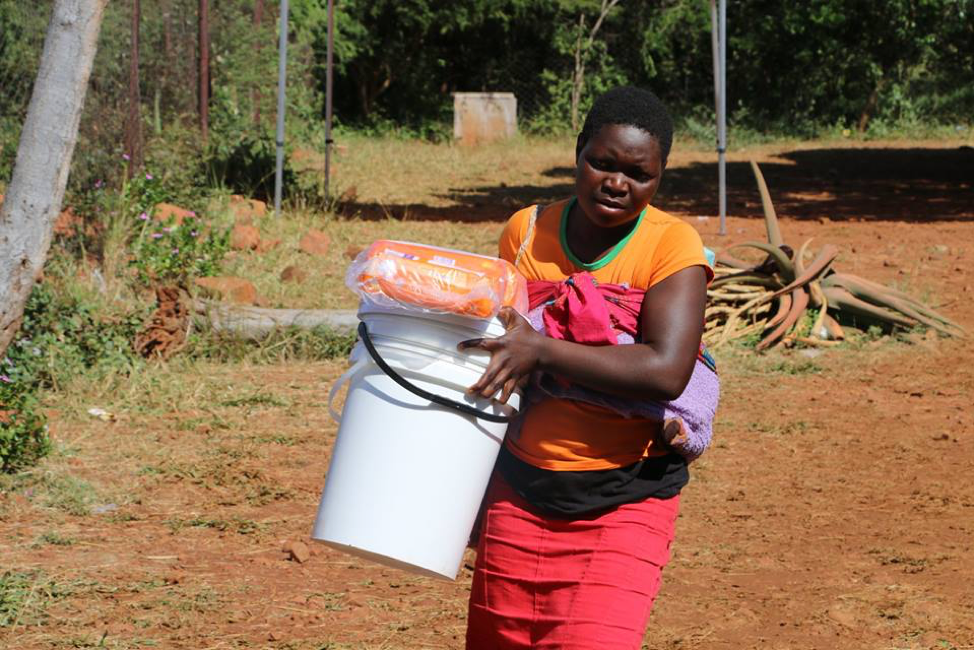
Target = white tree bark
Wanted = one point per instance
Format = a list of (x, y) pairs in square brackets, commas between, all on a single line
[(255, 322), (47, 142)]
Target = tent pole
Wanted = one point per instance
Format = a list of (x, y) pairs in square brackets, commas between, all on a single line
[(328, 95), (281, 77), (722, 118)]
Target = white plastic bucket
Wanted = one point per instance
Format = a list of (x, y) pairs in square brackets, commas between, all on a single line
[(407, 476)]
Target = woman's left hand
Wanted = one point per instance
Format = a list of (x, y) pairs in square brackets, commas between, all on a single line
[(512, 357)]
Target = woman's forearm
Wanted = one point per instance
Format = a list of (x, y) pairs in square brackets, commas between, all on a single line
[(636, 371)]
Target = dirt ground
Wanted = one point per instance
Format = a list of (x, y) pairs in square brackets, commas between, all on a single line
[(835, 509)]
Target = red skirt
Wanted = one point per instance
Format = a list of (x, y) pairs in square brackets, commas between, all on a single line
[(570, 584)]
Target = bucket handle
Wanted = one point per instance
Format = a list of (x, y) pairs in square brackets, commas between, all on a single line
[(341, 381), (466, 409)]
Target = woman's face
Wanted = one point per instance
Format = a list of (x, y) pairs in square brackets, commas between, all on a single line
[(617, 174)]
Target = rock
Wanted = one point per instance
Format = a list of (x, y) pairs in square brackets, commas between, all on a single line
[(842, 616), (294, 274), (349, 195), (174, 578), (297, 551), (245, 210), (229, 288), (274, 635), (67, 223), (165, 211), (315, 242), (267, 245), (308, 160), (244, 238), (352, 252)]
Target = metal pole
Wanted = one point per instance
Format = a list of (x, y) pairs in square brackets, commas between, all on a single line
[(715, 50), (722, 119), (281, 77), (328, 86)]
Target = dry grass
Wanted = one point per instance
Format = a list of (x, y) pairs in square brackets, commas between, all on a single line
[(324, 287), (390, 171)]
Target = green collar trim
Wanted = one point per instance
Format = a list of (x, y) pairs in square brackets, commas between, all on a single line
[(605, 259)]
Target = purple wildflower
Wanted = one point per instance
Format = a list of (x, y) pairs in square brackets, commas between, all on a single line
[(144, 217), (125, 156), (157, 235), (192, 214), (167, 229), (99, 184), (148, 177), (5, 379), (193, 233), (175, 251)]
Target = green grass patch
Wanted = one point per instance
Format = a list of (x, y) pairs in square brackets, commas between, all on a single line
[(53, 488), (238, 525), (25, 597), (54, 538)]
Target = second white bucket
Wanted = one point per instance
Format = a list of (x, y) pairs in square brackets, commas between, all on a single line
[(407, 476)]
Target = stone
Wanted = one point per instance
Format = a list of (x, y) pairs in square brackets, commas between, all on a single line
[(308, 160), (315, 242), (349, 195), (843, 616), (229, 288), (297, 551), (174, 578), (294, 274), (245, 210), (165, 211), (267, 245), (244, 238)]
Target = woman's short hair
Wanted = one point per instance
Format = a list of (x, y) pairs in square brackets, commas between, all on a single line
[(631, 106)]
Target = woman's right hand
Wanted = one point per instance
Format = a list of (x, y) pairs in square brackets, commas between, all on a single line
[(513, 357)]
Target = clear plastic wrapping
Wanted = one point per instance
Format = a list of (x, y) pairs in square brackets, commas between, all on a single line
[(428, 279)]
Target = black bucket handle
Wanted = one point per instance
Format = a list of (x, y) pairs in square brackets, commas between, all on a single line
[(466, 409)]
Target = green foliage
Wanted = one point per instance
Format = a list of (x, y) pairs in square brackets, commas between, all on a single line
[(171, 253), (23, 432), (62, 335)]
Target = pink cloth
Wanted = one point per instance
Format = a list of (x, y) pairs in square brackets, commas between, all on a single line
[(568, 584), (581, 310)]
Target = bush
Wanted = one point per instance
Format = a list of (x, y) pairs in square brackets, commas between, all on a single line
[(62, 335), (23, 429), (171, 253)]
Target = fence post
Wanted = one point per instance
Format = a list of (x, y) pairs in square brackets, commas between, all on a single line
[(281, 88)]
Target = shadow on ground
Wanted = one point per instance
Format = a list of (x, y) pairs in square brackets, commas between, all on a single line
[(907, 184)]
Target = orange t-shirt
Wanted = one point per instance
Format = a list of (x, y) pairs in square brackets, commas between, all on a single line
[(560, 434)]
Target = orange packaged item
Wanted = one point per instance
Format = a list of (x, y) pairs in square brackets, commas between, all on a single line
[(430, 279)]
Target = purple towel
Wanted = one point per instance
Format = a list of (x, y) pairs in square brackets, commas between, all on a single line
[(687, 420)]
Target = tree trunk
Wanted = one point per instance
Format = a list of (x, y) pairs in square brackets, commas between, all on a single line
[(133, 124), (578, 76), (44, 155), (871, 103), (204, 75), (255, 96)]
